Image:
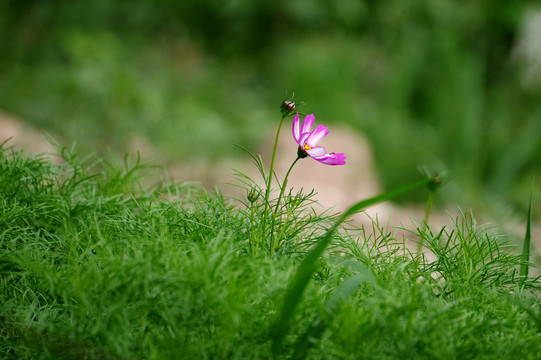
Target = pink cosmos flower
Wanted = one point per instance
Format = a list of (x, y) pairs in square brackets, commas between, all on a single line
[(308, 140)]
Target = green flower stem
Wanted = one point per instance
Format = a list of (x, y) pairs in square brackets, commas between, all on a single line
[(429, 205), (421, 242), (269, 176), (271, 170), (284, 184), (274, 244), (252, 234), (435, 182)]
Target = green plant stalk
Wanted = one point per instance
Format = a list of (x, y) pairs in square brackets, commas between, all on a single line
[(284, 184), (279, 237), (252, 232), (274, 244), (269, 176), (432, 186), (429, 206), (429, 202), (304, 272)]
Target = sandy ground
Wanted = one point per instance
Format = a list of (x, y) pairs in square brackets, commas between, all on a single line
[(22, 136)]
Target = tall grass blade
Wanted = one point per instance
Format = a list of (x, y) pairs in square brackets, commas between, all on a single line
[(525, 256), (307, 267)]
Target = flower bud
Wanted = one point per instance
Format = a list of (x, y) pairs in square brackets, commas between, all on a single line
[(295, 202), (435, 182), (253, 195), (287, 107)]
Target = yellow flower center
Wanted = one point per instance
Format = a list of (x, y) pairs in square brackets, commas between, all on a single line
[(307, 147)]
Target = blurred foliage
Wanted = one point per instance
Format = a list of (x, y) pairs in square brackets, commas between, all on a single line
[(435, 83)]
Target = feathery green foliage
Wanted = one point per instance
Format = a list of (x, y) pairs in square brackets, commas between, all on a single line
[(96, 265)]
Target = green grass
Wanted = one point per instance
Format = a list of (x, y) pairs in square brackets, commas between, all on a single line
[(98, 263)]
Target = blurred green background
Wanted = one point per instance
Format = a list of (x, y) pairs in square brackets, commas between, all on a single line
[(442, 84)]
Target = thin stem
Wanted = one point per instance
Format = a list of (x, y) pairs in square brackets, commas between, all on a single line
[(269, 176), (417, 260), (421, 242), (283, 187), (252, 234), (284, 184), (271, 170), (420, 245), (429, 206), (434, 183)]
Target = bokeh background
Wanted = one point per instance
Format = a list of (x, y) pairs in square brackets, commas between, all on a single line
[(440, 85)]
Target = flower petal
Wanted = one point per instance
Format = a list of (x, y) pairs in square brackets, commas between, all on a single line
[(317, 151), (332, 159), (302, 140), (307, 123), (315, 136), (296, 129)]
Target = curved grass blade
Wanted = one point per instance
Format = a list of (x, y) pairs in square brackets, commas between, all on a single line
[(307, 267)]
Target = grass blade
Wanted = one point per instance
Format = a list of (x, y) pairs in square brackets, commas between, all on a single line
[(525, 256)]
